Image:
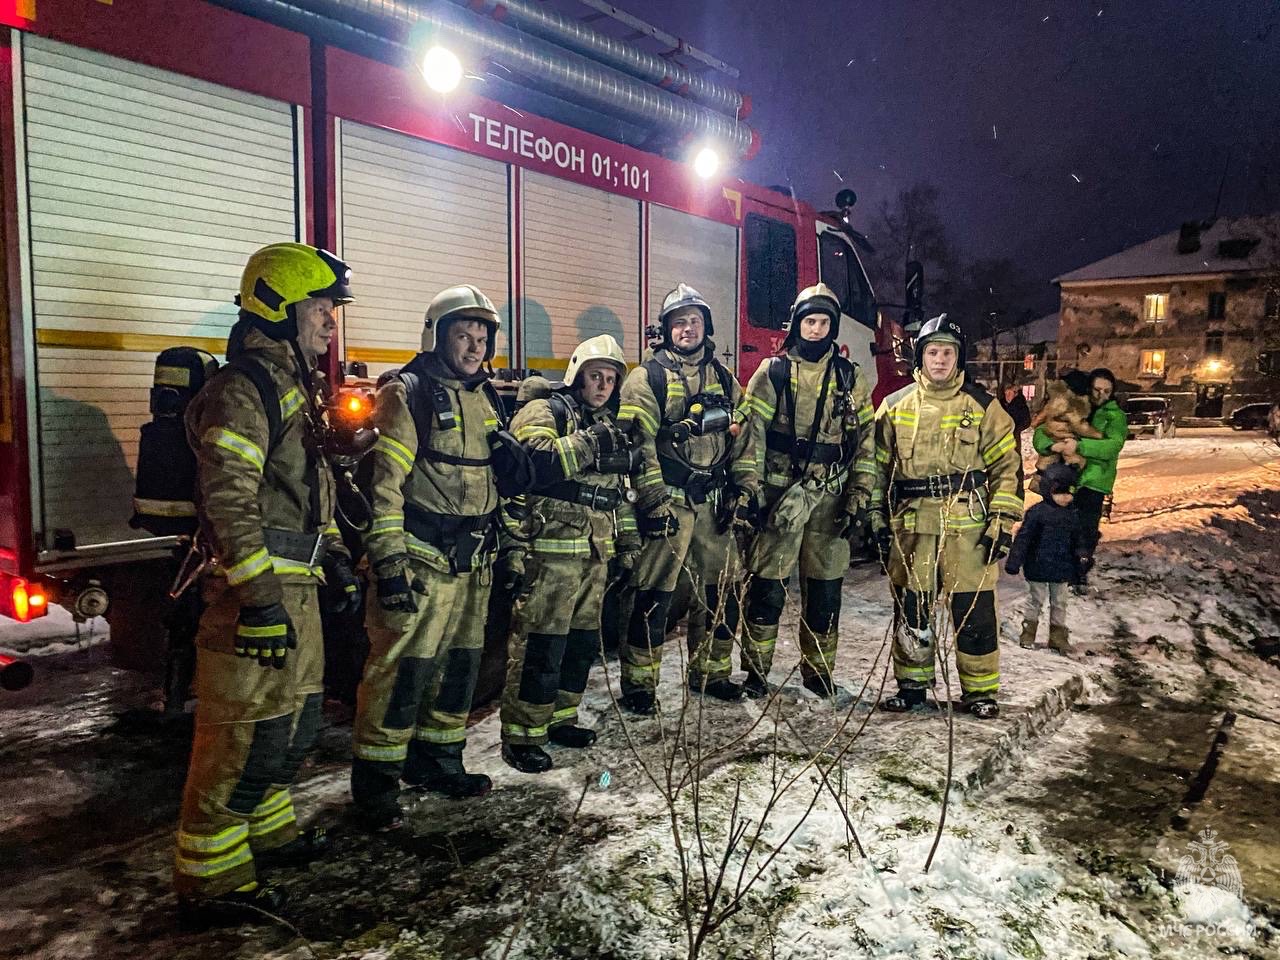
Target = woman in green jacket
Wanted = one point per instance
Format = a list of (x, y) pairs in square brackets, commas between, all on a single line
[(1099, 474)]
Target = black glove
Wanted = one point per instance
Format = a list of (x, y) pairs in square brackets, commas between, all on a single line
[(849, 525), (341, 592), (997, 539), (606, 438), (509, 569), (1011, 568), (266, 633), (396, 585), (881, 538), (659, 524)]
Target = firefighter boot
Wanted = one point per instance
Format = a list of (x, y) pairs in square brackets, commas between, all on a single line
[(439, 769), (821, 684), (641, 702), (526, 757), (755, 687), (722, 689), (907, 698), (252, 903), (1028, 638), (1059, 639), (311, 844), (375, 792), (571, 735), (985, 709)]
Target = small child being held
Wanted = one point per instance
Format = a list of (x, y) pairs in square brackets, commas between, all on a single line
[(1050, 549)]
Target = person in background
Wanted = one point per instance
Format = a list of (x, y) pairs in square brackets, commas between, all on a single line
[(1015, 404), (1050, 550), (1098, 477)]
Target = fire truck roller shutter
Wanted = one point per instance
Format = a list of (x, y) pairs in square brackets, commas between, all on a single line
[(417, 217), (148, 191), (581, 270), (704, 254)]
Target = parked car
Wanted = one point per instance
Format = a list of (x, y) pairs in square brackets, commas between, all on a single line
[(1150, 415), (1252, 416)]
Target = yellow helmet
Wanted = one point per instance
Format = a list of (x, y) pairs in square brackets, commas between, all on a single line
[(282, 275), (463, 302), (603, 347)]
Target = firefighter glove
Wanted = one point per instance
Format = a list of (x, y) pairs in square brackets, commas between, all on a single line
[(997, 539), (881, 536), (265, 633), (606, 439), (397, 585), (747, 511), (659, 523), (853, 518), (509, 568), (342, 589)]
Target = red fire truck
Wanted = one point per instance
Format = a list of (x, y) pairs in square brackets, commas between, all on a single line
[(148, 146)]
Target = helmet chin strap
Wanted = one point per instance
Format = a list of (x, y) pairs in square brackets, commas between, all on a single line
[(687, 352)]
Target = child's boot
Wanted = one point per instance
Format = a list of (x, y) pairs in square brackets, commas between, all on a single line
[(1059, 639), (1028, 638)]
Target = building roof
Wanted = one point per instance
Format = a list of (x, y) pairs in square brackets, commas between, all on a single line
[(1160, 257), (1041, 330)]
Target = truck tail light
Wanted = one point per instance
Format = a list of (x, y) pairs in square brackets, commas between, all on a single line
[(21, 600)]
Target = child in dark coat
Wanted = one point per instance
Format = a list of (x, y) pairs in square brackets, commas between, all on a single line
[(1050, 548)]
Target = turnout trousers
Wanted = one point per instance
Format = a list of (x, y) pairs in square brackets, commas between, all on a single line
[(822, 558), (925, 568), (708, 557), (419, 679), (553, 643), (254, 725)]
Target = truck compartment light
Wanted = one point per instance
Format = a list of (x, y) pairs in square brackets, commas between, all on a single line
[(442, 69), (706, 163)]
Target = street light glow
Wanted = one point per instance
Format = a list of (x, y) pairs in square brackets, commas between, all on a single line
[(442, 70), (706, 163)]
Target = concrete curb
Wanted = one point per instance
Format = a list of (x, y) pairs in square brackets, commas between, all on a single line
[(1043, 716)]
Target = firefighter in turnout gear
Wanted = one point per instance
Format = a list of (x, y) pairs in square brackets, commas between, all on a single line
[(265, 499), (680, 407), (812, 453), (579, 515), (431, 546), (943, 510)]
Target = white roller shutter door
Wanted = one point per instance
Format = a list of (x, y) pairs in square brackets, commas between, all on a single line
[(704, 254), (581, 269), (148, 191), (416, 218)]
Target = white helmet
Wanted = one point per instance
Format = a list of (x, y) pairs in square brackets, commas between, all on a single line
[(463, 302), (603, 347)]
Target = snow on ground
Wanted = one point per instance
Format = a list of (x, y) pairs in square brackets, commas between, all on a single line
[(1057, 842)]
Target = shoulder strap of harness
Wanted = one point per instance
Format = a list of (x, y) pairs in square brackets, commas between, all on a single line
[(656, 371), (780, 379), (657, 374), (562, 412), (260, 377), (846, 373), (442, 411), (495, 398), (977, 393)]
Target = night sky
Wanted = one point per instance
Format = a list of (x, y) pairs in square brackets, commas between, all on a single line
[(1003, 104)]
